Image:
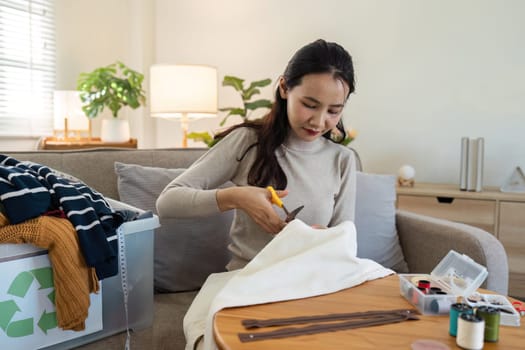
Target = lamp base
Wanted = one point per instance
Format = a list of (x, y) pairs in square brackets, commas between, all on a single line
[(185, 125), (67, 134)]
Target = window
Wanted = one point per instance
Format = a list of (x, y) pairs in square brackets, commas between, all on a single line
[(27, 67)]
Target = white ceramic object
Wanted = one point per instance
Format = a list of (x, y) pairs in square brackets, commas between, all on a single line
[(114, 130), (407, 172)]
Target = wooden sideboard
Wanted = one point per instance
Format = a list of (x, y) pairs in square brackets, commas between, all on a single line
[(52, 143), (502, 214)]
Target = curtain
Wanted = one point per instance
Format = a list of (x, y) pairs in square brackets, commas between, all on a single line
[(27, 67)]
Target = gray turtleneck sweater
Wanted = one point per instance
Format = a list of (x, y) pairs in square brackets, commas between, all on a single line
[(321, 176)]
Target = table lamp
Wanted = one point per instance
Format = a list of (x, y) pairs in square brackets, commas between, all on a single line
[(68, 115), (183, 92)]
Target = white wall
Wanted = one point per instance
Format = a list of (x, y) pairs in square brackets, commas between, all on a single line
[(95, 33), (428, 72)]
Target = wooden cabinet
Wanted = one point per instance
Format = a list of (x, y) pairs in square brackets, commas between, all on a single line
[(512, 234), (477, 213), (502, 214)]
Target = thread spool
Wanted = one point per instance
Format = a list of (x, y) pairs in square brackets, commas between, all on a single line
[(456, 310), (491, 316), (415, 280), (410, 292), (436, 290), (414, 298), (424, 284), (440, 305), (471, 329)]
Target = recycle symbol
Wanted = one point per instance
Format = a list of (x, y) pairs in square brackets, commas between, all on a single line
[(19, 287)]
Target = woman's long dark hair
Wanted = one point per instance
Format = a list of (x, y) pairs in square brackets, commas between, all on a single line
[(272, 130)]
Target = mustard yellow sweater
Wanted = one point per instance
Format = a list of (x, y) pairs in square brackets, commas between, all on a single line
[(73, 280)]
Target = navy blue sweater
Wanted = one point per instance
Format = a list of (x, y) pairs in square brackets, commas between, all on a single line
[(29, 190)]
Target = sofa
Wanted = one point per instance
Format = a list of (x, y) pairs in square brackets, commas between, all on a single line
[(422, 241)]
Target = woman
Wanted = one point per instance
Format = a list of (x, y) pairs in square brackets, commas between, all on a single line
[(292, 148)]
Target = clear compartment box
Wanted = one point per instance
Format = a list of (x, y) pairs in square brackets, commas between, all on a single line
[(456, 275)]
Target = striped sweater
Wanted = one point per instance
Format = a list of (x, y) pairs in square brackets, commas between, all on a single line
[(28, 190)]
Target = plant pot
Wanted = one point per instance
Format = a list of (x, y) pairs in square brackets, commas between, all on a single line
[(114, 130)]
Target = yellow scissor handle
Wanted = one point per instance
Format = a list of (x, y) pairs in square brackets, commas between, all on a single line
[(275, 198)]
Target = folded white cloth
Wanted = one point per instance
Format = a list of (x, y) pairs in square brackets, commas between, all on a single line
[(299, 262)]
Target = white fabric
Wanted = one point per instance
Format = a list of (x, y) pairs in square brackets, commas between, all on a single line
[(299, 262), (195, 319)]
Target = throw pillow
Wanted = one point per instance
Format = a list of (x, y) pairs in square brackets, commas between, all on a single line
[(375, 221), (186, 250)]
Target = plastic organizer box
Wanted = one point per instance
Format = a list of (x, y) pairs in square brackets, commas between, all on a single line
[(509, 316), (455, 277)]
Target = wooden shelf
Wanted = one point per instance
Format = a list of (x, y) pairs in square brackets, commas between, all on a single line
[(497, 212), (52, 143), (450, 190)]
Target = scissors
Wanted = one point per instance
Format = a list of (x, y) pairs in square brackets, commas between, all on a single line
[(278, 202), (519, 307)]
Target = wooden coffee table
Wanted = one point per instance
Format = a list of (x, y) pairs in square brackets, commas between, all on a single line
[(381, 294)]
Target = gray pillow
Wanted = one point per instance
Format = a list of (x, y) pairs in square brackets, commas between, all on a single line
[(375, 221), (186, 250)]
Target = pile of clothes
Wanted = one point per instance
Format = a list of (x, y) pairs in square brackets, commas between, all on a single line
[(54, 211)]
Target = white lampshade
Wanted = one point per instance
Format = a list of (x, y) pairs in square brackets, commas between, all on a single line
[(67, 105), (177, 90)]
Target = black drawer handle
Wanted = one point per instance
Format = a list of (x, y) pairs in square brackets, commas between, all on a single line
[(447, 200)]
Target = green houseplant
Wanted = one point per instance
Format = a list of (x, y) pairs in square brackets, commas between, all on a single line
[(247, 92), (114, 86)]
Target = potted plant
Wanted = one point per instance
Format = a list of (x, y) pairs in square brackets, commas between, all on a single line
[(246, 93), (114, 86)]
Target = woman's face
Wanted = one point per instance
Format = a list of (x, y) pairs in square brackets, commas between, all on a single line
[(315, 106)]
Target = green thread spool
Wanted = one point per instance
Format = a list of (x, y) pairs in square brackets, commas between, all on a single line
[(491, 316), (456, 310)]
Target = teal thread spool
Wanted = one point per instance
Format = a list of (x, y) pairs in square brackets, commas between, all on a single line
[(491, 316), (456, 310)]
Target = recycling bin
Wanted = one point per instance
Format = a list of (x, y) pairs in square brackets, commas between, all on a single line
[(27, 312)]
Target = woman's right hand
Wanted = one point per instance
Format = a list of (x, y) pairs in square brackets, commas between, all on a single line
[(256, 202)]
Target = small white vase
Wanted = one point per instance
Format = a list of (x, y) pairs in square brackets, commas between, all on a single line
[(114, 130)]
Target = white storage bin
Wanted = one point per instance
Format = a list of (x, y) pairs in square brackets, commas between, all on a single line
[(139, 240)]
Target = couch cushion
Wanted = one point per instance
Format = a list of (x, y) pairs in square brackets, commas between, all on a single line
[(186, 250), (375, 221)]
